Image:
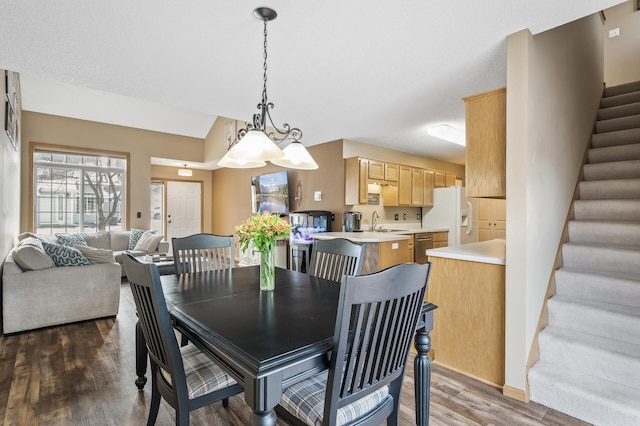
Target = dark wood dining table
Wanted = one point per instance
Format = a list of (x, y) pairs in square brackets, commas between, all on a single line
[(268, 340)]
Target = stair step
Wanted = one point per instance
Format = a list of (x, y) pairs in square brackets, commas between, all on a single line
[(606, 358), (612, 170), (610, 210), (609, 189), (597, 259), (619, 137), (619, 111), (620, 123), (613, 288), (608, 320), (583, 396), (593, 232), (619, 89), (621, 99)]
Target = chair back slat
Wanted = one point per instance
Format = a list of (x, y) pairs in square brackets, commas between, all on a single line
[(332, 259), (377, 316), (203, 252)]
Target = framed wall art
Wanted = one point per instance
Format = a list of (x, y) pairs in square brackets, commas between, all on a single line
[(11, 124)]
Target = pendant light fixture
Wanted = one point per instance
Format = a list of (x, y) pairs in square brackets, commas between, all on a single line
[(185, 171), (256, 144)]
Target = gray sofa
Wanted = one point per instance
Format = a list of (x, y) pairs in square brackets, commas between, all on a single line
[(36, 293)]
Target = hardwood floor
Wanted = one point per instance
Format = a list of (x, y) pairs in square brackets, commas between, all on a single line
[(83, 374)]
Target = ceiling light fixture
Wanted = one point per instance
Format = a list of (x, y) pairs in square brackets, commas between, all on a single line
[(448, 133), (256, 144), (185, 171)]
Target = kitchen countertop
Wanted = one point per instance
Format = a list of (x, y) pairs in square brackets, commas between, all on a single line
[(362, 237), (416, 231), (492, 251)]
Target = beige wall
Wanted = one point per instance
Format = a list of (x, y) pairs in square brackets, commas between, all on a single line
[(622, 53), (9, 186), (203, 176), (140, 144), (554, 84)]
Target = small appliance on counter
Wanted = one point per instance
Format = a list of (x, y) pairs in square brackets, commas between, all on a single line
[(306, 223), (352, 221)]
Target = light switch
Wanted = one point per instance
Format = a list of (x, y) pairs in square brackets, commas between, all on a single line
[(317, 196), (394, 246)]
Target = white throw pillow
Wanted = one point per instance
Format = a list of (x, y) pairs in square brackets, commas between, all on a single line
[(96, 255), (148, 242), (29, 255)]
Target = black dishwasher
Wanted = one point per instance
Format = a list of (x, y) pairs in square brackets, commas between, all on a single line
[(422, 243)]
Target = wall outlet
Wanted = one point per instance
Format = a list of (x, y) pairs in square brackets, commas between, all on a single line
[(317, 196), (138, 215), (396, 216), (404, 216), (418, 216)]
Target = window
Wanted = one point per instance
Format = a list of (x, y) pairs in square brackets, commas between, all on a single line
[(78, 192)]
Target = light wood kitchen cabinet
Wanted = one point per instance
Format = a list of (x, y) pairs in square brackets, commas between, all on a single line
[(469, 330), (449, 180), (394, 253), (427, 199), (438, 180), (492, 219), (355, 181), (376, 170), (440, 239), (417, 187), (381, 255), (391, 172), (486, 129), (404, 186)]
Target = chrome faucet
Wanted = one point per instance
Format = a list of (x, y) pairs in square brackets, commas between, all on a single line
[(374, 217)]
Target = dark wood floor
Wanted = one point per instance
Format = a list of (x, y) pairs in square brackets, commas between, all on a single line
[(83, 374)]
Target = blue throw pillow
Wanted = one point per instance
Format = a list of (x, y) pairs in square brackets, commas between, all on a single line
[(71, 240), (65, 256)]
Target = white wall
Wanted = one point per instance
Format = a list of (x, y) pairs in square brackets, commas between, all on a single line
[(554, 84), (9, 185), (619, 65)]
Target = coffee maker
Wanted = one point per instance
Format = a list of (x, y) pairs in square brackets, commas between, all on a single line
[(352, 221)]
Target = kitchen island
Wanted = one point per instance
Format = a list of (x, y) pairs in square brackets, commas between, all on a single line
[(383, 249), (467, 283)]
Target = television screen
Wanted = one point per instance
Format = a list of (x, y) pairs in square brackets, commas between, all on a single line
[(271, 192)]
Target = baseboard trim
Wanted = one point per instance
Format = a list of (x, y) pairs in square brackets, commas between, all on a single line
[(515, 393)]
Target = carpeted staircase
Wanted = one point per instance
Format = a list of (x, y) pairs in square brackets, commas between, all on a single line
[(589, 363)]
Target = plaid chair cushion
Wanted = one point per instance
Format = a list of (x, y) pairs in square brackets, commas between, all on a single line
[(305, 400), (203, 375)]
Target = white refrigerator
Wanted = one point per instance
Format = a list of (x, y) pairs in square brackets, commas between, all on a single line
[(453, 211)]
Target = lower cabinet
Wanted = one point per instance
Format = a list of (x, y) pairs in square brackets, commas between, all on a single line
[(379, 256), (440, 239)]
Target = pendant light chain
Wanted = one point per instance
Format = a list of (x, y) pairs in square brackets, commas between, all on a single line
[(264, 67)]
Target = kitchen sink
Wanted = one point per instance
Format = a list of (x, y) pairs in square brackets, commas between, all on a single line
[(387, 230)]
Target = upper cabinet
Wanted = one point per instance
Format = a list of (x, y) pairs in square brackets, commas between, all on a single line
[(401, 185), (486, 128)]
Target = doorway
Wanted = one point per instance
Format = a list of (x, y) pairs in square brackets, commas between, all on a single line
[(183, 209)]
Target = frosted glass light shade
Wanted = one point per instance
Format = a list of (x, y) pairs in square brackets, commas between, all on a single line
[(185, 172), (296, 156), (255, 146), (239, 164)]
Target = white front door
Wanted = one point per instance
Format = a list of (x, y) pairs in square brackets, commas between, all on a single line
[(184, 208)]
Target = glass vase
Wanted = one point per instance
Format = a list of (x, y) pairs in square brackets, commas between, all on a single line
[(267, 270)]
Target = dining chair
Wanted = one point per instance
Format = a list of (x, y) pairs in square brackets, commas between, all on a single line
[(331, 259), (184, 376), (376, 319), (203, 252)]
